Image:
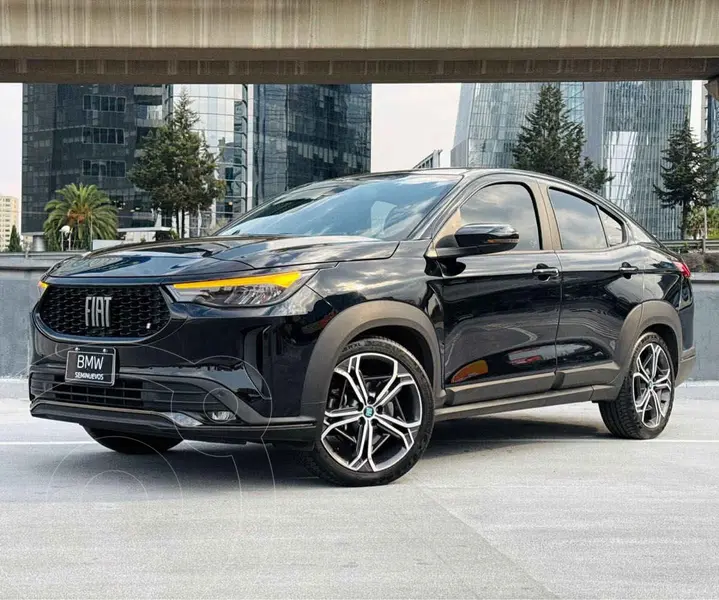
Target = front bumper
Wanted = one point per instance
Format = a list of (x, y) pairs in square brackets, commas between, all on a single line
[(250, 362), (160, 424), (166, 405)]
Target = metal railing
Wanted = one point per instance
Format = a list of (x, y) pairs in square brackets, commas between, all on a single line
[(692, 245)]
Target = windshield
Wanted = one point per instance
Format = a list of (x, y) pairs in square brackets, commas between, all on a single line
[(385, 207)]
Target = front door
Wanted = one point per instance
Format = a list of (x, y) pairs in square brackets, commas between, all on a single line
[(501, 311)]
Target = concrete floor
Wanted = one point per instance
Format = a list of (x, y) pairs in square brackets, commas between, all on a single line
[(530, 504)]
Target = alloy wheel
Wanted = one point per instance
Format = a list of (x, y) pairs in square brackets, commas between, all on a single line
[(373, 413), (652, 385)]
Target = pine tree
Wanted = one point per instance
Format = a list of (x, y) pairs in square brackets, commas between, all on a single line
[(176, 167), (14, 245), (690, 175), (551, 143)]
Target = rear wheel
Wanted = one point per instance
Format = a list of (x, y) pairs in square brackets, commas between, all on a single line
[(130, 443), (378, 417), (644, 405)]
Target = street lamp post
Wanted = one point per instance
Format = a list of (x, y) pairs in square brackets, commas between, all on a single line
[(65, 231)]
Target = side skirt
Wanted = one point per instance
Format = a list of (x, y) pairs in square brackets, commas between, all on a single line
[(553, 398)]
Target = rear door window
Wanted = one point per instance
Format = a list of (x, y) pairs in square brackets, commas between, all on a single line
[(580, 227)]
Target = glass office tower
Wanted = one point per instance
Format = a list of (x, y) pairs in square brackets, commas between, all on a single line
[(267, 139), (87, 134), (304, 133), (639, 117), (626, 123), (491, 116), (223, 113), (711, 123)]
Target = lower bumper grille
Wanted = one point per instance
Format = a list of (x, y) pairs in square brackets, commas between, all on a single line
[(128, 393)]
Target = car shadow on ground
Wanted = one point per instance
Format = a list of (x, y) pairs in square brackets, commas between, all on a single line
[(486, 433), (196, 468)]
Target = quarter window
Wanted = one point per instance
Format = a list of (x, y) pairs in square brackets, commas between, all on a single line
[(579, 225), (613, 229), (506, 203)]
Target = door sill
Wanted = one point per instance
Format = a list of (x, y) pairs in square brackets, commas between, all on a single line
[(488, 407), (488, 391)]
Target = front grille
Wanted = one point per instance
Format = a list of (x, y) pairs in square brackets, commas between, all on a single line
[(135, 312), (136, 394)]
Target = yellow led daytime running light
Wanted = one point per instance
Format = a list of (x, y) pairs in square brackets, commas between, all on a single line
[(281, 279)]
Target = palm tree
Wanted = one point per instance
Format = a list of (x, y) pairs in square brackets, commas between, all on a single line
[(86, 210)]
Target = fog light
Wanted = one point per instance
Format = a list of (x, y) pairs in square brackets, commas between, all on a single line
[(221, 416), (183, 420)]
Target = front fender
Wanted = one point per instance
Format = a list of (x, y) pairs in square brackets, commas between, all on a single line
[(345, 327)]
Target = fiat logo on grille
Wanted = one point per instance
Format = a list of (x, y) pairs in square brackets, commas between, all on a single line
[(97, 311)]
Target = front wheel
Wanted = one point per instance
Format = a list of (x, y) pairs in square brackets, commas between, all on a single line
[(378, 418), (129, 443), (645, 401)]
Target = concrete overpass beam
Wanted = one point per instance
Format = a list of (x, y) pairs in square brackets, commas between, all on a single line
[(356, 40)]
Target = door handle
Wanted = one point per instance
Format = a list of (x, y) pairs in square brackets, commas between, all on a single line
[(543, 271), (627, 269)]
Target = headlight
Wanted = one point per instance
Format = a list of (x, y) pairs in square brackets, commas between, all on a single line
[(41, 287), (255, 290)]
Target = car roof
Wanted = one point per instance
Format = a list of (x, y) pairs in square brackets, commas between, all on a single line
[(465, 172), (473, 173), (417, 172)]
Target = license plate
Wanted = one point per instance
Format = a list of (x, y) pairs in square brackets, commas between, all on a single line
[(94, 367)]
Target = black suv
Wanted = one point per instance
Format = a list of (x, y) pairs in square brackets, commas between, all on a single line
[(346, 317)]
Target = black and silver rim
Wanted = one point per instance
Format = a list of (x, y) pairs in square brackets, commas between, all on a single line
[(373, 414), (652, 385)]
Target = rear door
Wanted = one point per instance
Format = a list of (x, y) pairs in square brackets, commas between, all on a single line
[(602, 280), (501, 311)]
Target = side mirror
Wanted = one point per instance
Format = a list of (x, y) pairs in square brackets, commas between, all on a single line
[(478, 238)]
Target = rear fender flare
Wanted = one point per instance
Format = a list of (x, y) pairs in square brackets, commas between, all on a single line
[(639, 319)]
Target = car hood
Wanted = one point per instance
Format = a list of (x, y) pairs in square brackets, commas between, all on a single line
[(220, 255)]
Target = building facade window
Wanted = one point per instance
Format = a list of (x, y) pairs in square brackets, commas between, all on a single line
[(103, 135), (104, 103), (103, 168)]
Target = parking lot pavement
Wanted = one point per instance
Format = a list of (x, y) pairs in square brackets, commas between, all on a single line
[(530, 504)]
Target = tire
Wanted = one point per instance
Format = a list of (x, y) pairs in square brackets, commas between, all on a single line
[(646, 417), (130, 443), (379, 416)]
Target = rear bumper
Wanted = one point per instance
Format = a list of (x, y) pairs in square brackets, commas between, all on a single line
[(686, 365)]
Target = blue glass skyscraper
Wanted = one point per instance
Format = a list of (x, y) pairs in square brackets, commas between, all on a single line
[(87, 134), (491, 116), (304, 133), (626, 123)]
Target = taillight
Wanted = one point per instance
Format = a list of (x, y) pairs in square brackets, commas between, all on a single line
[(683, 269)]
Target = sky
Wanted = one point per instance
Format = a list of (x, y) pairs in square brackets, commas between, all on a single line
[(409, 121), (10, 139)]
